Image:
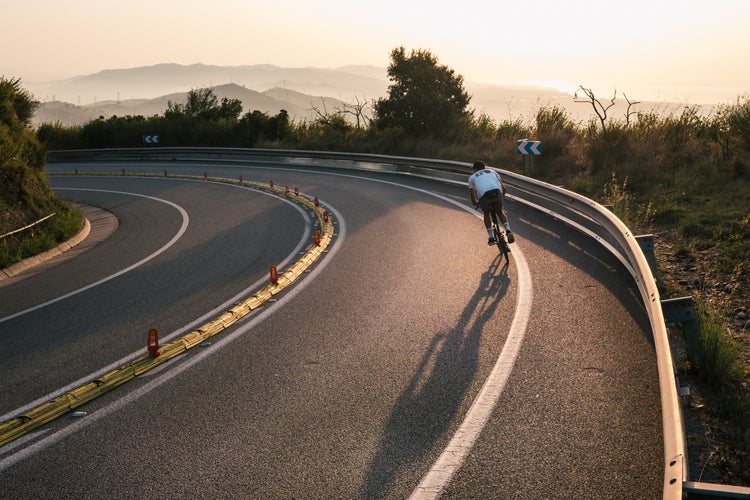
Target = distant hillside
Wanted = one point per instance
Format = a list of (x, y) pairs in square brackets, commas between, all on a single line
[(146, 90), (148, 82), (299, 106)]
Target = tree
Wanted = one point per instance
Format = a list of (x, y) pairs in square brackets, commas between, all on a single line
[(230, 109), (18, 143), (357, 110), (425, 98), (17, 107), (203, 104), (257, 126), (601, 109)]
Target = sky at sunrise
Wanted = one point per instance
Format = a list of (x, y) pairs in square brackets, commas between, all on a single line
[(687, 50)]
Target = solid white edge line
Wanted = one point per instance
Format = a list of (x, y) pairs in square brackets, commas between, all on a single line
[(452, 457), (165, 338), (154, 383), (175, 238), (434, 483)]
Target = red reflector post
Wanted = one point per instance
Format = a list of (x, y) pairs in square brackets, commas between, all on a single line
[(274, 275), (316, 238), (153, 342)]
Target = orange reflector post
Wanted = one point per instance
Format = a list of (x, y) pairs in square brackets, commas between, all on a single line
[(316, 238), (274, 275), (325, 215), (296, 191), (317, 203), (240, 179), (153, 342), (270, 183), (286, 189)]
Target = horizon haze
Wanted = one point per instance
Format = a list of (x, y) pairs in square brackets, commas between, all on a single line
[(688, 51), (147, 90)]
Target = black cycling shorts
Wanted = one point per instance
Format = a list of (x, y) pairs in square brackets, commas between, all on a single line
[(490, 197)]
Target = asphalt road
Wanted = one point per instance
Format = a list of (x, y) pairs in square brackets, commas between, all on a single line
[(355, 382)]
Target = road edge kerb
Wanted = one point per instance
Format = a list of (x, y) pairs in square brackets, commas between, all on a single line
[(26, 264), (46, 412)]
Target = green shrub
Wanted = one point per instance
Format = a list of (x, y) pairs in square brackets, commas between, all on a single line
[(716, 354)]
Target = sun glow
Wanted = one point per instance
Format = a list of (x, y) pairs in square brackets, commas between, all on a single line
[(552, 84)]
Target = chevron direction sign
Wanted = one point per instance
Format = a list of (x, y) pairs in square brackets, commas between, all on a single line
[(525, 147), (150, 139)]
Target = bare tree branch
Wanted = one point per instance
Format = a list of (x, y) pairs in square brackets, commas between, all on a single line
[(599, 108), (357, 110), (629, 113)]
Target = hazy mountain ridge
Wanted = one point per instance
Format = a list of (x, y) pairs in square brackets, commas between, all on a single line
[(299, 106), (147, 82), (146, 91)]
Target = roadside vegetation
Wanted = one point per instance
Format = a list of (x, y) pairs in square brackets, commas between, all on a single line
[(685, 177), (32, 219)]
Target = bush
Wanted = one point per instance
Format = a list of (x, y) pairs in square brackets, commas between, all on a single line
[(715, 353)]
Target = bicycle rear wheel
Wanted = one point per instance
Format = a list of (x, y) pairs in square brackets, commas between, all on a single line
[(502, 245)]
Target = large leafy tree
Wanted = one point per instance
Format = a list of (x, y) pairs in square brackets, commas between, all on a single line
[(425, 98), (204, 104)]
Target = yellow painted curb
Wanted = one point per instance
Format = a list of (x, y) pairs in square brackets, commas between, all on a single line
[(48, 411)]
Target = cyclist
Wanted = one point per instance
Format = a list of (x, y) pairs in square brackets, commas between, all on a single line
[(486, 189)]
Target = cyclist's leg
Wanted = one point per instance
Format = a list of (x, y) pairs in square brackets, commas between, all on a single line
[(504, 219), (502, 244), (496, 211), (486, 207)]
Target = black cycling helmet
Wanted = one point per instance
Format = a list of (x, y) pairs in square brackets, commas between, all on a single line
[(478, 165)]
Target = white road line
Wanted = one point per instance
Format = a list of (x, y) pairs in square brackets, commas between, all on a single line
[(442, 471), (181, 331), (154, 383), (183, 228), (451, 459), (454, 455)]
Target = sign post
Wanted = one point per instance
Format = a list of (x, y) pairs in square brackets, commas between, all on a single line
[(528, 149)]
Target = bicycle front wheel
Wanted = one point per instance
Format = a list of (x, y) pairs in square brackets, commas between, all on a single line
[(502, 245)]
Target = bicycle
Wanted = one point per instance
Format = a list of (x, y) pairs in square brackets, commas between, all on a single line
[(500, 241)]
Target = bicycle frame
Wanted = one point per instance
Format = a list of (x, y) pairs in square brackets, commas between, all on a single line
[(502, 244)]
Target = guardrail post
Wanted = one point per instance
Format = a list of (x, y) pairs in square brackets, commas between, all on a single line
[(646, 242), (683, 311)]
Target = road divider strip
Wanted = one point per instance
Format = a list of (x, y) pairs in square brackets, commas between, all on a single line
[(46, 412)]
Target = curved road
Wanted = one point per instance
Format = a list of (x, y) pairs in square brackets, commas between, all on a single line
[(361, 380)]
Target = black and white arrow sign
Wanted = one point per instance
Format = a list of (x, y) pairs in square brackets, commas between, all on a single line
[(525, 147)]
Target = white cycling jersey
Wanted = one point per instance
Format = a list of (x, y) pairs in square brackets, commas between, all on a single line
[(485, 180)]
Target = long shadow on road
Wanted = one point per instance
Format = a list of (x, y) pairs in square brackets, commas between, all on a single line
[(436, 391)]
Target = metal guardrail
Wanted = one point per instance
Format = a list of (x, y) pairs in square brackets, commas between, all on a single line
[(567, 206)]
